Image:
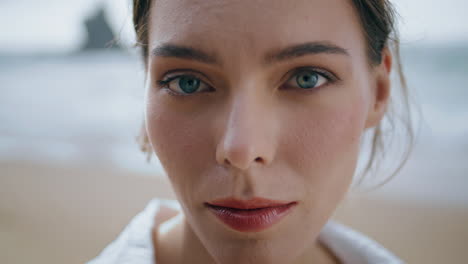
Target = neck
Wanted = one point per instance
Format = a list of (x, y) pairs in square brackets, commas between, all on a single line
[(175, 242), (194, 251)]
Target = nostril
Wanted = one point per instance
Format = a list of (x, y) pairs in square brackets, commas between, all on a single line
[(259, 159)]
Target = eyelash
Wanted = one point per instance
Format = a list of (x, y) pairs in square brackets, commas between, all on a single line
[(164, 83), (330, 79)]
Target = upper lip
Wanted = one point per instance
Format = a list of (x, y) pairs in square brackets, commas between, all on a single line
[(254, 203)]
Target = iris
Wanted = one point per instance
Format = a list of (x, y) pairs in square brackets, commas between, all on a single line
[(189, 84), (307, 80)]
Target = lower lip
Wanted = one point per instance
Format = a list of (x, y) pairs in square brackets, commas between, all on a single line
[(251, 220)]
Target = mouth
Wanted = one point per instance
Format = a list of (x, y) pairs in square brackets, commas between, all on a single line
[(252, 215)]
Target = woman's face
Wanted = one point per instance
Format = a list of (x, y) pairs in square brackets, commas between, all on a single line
[(259, 98)]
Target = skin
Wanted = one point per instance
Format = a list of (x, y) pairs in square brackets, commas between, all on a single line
[(250, 131)]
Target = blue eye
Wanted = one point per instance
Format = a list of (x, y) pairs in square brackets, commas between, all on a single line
[(308, 79), (183, 84), (189, 84)]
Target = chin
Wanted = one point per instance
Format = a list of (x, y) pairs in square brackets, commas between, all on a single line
[(274, 246), (254, 251)]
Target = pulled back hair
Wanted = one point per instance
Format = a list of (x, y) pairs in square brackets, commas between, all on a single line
[(378, 21)]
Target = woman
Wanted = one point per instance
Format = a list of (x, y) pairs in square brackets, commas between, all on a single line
[(256, 110)]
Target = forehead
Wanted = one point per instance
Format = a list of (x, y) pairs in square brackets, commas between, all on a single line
[(253, 26)]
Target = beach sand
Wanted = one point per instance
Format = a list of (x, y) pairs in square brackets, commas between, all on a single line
[(67, 214)]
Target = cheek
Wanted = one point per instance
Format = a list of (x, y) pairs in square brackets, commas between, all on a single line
[(324, 142), (180, 141), (321, 148)]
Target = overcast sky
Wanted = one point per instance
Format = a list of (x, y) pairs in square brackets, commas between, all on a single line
[(55, 25)]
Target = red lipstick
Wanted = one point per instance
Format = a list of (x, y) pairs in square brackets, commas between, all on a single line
[(250, 215)]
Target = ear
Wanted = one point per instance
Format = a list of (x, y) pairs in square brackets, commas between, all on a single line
[(380, 94), (143, 141)]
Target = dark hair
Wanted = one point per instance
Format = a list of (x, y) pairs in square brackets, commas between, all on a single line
[(378, 20)]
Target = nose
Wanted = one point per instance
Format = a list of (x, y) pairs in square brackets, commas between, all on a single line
[(248, 133)]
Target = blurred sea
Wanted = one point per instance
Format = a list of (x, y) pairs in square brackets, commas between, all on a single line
[(86, 109)]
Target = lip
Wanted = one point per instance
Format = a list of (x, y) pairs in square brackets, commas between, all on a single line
[(252, 215)]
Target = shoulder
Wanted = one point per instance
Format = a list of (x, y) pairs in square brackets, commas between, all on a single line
[(353, 247), (134, 243)]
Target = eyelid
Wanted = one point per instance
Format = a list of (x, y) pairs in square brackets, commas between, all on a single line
[(177, 73), (166, 81), (325, 73), (329, 77), (185, 72)]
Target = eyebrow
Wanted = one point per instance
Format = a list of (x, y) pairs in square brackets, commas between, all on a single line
[(288, 53), (308, 48), (184, 52)]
